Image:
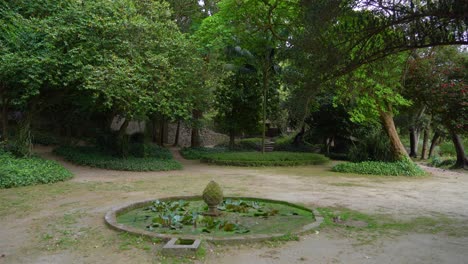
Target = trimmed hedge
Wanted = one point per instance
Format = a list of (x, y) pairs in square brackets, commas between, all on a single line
[(93, 157), (15, 172), (198, 153), (256, 159), (400, 168)]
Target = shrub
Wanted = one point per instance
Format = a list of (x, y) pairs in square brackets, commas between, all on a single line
[(447, 149), (141, 150), (16, 172), (94, 157), (400, 168), (198, 153), (443, 163), (256, 159), (286, 144), (250, 144), (373, 146)]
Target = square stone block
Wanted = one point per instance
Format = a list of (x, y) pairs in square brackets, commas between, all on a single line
[(181, 247)]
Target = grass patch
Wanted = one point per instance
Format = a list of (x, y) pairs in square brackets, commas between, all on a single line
[(400, 168), (255, 159), (15, 172), (381, 225), (159, 160), (198, 153)]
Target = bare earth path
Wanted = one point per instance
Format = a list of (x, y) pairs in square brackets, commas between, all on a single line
[(63, 222)]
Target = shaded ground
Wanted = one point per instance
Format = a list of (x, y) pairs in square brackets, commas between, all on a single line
[(63, 222)]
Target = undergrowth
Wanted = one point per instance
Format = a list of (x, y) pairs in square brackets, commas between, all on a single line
[(198, 153), (15, 172), (158, 159), (256, 159), (400, 168)]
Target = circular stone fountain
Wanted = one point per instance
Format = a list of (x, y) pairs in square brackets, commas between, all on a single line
[(240, 219)]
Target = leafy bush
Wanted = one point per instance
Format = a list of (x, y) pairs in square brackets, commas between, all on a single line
[(93, 157), (256, 159), (447, 149), (141, 150), (16, 172), (286, 144), (442, 163), (250, 144), (373, 146), (400, 168), (198, 153)]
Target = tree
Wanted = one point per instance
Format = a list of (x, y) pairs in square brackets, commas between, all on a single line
[(353, 32), (26, 56), (238, 102), (260, 27), (437, 78), (124, 57), (373, 90)]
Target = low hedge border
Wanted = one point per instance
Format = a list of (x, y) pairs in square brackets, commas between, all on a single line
[(400, 168), (199, 152), (91, 156), (255, 159)]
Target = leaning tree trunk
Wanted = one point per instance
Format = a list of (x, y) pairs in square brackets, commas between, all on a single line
[(462, 160), (195, 136), (434, 143), (398, 150)]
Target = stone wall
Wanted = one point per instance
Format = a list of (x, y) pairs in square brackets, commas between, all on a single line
[(208, 137)]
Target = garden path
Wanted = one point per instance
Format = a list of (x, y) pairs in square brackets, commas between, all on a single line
[(63, 222)]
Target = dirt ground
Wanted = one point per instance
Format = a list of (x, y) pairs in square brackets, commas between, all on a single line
[(63, 222)]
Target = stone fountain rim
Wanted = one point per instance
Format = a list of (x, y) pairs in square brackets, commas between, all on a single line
[(111, 220)]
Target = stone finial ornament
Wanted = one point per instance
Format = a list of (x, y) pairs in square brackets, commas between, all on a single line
[(213, 196)]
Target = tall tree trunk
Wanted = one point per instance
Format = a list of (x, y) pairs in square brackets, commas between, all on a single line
[(398, 150), (299, 138), (122, 139), (176, 140), (195, 136), (24, 139), (265, 90), (232, 139), (462, 160), (434, 143), (425, 141), (5, 118), (415, 131), (154, 130), (161, 132), (413, 142)]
